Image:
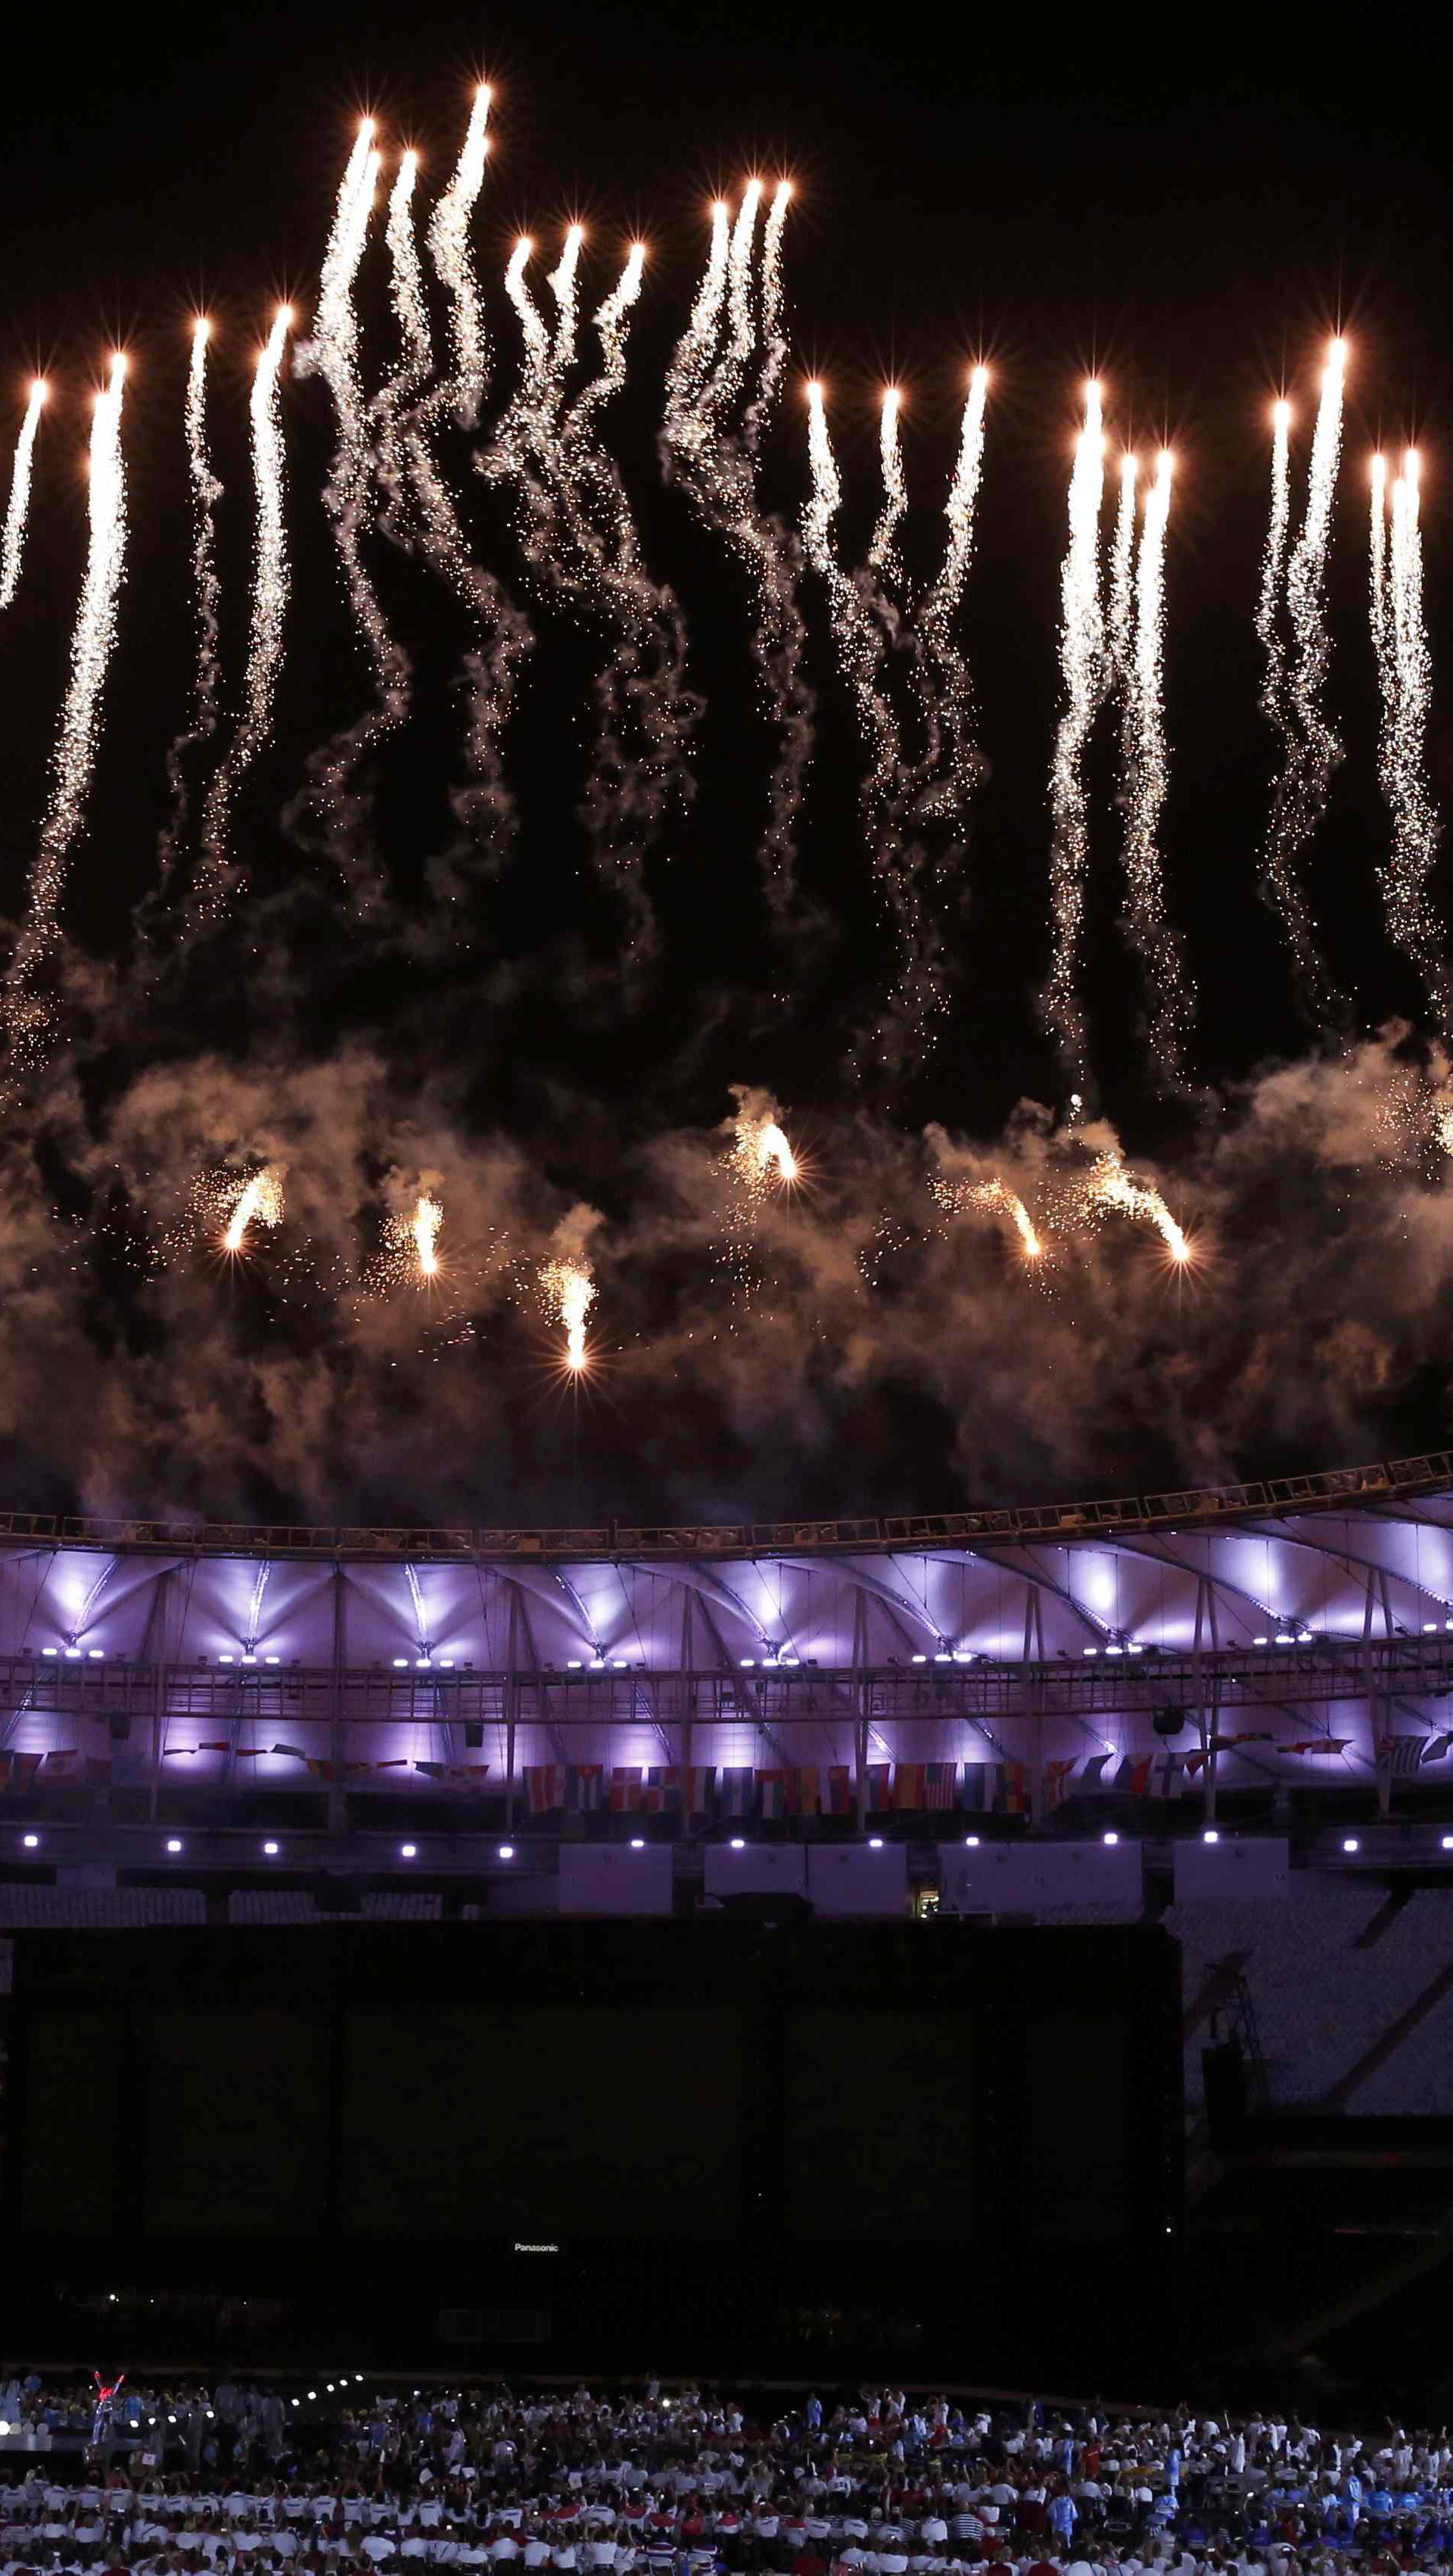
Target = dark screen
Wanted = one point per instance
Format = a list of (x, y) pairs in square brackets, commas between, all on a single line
[(237, 2122), (878, 2127), (72, 2120), (543, 2123), (1076, 2128)]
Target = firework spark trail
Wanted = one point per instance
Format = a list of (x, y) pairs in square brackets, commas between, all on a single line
[(1109, 1185), (760, 1149), (883, 556), (644, 711), (953, 764), (998, 1196), (258, 1202), (17, 509), (564, 285), (270, 587), (206, 492), (1082, 684), (718, 472), (1295, 687), (29, 1010), (333, 354), (1405, 672), (1146, 767), (901, 1032), (484, 808), (1120, 639), (416, 354), (449, 250)]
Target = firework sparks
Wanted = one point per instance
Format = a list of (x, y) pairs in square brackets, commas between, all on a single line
[(449, 251), (570, 1293), (1146, 767), (17, 510), (258, 1202), (1295, 689), (28, 1008), (997, 1196), (760, 1149), (883, 553), (1109, 1185), (1122, 574), (424, 1227), (1400, 643), (270, 586), (1082, 682)]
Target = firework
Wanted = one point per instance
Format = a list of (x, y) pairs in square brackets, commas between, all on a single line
[(406, 294), (12, 543), (28, 1010), (1295, 688), (258, 1202), (270, 586), (1400, 644), (1146, 781), (424, 1226), (449, 251), (760, 1148), (953, 765), (570, 1292), (693, 351), (1082, 683), (1109, 1185), (1120, 640), (997, 1196), (883, 555)]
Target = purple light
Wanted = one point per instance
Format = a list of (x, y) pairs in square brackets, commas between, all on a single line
[(637, 1842), (506, 1851), (174, 1845), (31, 1841), (1112, 1839), (270, 1851), (408, 1851), (737, 1843), (875, 1842)]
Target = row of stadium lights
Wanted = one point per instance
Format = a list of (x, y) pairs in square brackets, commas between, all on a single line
[(972, 1842), (748, 1663)]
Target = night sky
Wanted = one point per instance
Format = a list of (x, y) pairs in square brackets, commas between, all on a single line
[(1189, 210)]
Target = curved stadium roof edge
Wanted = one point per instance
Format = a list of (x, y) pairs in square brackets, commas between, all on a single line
[(1367, 1486)]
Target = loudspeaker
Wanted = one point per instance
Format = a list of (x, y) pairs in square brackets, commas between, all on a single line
[(473, 1734), (118, 1723)]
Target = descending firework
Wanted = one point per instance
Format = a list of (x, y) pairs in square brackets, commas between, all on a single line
[(206, 492), (1082, 683), (449, 251), (12, 543), (1295, 686), (258, 1202), (1404, 667), (406, 295), (27, 1008), (1109, 1185), (952, 764), (1120, 639), (1145, 781), (570, 1293), (266, 624), (998, 1199), (424, 1227), (717, 467), (883, 553)]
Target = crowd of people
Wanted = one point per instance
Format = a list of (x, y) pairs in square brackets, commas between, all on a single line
[(339, 2479)]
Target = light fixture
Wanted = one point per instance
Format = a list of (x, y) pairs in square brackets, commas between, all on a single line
[(737, 1843), (1430, 1627), (1258, 1641), (638, 1842), (227, 1659), (506, 1851), (1135, 1650), (790, 1659), (31, 1841), (174, 1844), (1350, 1843), (249, 1659), (919, 1659), (408, 1851), (944, 1658), (1090, 1650), (971, 1842), (73, 1654), (1210, 1835), (1111, 1839), (272, 1659), (749, 1663), (962, 1655), (573, 1664), (1448, 1842), (1114, 1650), (446, 1663), (270, 1851), (875, 1842), (95, 1654), (401, 1663), (50, 1650), (423, 1663)]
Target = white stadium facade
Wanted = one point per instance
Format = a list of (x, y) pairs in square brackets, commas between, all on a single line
[(201, 1699)]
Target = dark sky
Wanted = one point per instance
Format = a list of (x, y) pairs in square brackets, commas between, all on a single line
[(1189, 206)]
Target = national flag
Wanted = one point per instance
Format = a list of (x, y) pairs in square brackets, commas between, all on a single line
[(1092, 1777), (255, 1752), (777, 1792), (1320, 1744), (1166, 1776), (879, 1786), (736, 1789), (544, 1787), (216, 1744), (17, 1770), (981, 1781), (907, 1787), (584, 1782), (469, 1774), (1132, 1780), (625, 1793), (320, 1768), (295, 1750), (1436, 1747), (1014, 1788), (688, 1788), (1195, 1764), (653, 1792), (70, 1764), (1402, 1753), (1057, 1778), (1248, 1735), (809, 1790), (431, 1770), (840, 1798), (940, 1785)]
